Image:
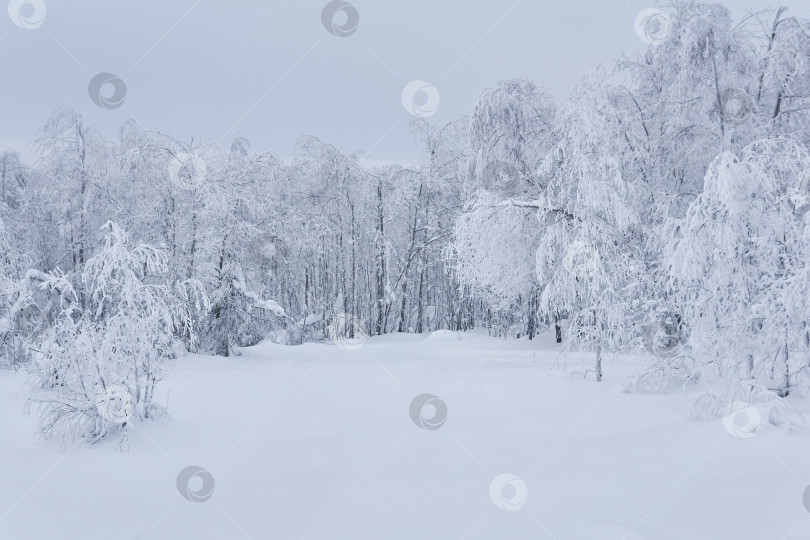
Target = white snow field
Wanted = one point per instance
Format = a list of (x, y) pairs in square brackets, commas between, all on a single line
[(317, 442)]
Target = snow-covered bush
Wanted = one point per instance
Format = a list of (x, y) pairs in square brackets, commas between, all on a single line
[(238, 317), (9, 350), (35, 302), (107, 352)]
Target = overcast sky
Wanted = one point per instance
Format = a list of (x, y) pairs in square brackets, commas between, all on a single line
[(270, 71)]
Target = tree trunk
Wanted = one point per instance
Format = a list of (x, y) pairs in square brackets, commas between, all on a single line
[(557, 329), (599, 362), (420, 307), (532, 323), (354, 276), (380, 260)]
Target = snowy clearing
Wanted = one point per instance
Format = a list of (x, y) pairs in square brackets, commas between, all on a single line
[(317, 442)]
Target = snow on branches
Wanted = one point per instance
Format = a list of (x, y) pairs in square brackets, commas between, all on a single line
[(106, 352)]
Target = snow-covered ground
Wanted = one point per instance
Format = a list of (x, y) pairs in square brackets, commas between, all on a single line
[(318, 442)]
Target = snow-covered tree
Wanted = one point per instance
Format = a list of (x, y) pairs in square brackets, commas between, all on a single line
[(496, 235), (738, 264), (588, 215)]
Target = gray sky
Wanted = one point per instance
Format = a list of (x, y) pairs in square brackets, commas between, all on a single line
[(270, 71)]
